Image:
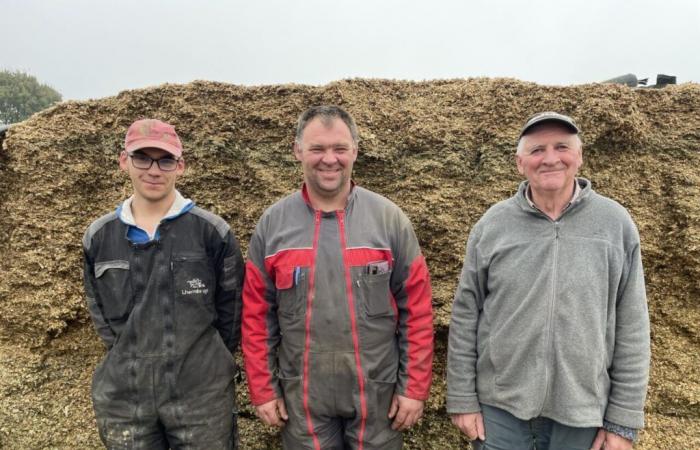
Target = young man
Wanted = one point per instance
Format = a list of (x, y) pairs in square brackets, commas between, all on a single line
[(337, 317), (549, 340), (163, 283)]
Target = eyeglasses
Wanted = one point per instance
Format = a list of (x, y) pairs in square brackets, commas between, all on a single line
[(141, 161)]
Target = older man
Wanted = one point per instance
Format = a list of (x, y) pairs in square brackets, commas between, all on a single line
[(549, 339), (337, 318)]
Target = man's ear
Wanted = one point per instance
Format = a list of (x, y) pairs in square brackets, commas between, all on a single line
[(180, 166), (296, 148), (123, 161), (580, 157), (518, 164)]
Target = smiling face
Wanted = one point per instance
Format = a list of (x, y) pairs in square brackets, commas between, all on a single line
[(327, 152), (152, 185), (549, 157)]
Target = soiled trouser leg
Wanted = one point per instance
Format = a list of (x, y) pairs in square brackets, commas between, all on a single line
[(340, 432), (328, 430), (117, 433), (126, 415), (378, 434), (327, 427), (201, 420), (335, 408)]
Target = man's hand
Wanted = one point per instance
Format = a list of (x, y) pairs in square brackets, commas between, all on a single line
[(606, 440), (405, 412), (471, 424), (273, 412)]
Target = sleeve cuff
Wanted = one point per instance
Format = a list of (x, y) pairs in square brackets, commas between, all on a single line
[(625, 417), (628, 433), (462, 404)]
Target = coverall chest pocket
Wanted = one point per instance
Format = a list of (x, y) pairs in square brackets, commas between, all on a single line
[(376, 294), (114, 289), (194, 280), (290, 283)]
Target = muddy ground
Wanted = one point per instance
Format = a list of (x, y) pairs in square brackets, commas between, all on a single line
[(442, 150)]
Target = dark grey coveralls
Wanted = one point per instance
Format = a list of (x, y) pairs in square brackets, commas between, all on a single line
[(169, 312)]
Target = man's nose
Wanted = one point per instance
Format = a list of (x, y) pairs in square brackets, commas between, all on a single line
[(154, 170), (551, 156), (329, 157)]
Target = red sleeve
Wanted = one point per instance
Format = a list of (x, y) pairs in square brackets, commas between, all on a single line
[(258, 340), (418, 329)]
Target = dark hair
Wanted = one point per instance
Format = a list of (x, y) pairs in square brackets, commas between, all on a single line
[(326, 113)]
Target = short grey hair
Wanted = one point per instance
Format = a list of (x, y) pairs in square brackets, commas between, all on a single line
[(326, 113), (521, 144)]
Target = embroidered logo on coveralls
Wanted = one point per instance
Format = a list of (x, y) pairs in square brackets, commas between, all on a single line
[(196, 287)]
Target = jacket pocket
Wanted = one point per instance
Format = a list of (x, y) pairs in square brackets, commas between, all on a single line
[(376, 294), (114, 290), (292, 389), (379, 396), (290, 282), (229, 279), (225, 355), (194, 281)]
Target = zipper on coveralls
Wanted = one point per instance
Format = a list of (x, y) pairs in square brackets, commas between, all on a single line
[(354, 328), (307, 334)]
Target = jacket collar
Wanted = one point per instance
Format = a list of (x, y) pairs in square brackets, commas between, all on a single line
[(307, 199), (179, 207), (581, 192)]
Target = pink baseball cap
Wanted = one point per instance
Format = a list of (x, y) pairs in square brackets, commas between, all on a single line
[(152, 133)]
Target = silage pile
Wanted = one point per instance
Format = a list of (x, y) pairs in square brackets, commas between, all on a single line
[(442, 150)]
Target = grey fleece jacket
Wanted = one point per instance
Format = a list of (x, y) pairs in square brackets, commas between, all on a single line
[(550, 317)]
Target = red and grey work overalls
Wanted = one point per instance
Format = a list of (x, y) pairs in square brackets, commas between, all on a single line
[(337, 319)]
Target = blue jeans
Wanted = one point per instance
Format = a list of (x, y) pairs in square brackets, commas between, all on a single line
[(504, 431)]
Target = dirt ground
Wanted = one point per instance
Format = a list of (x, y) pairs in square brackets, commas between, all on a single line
[(442, 150)]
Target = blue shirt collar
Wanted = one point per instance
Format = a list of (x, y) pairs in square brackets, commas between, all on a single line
[(138, 235)]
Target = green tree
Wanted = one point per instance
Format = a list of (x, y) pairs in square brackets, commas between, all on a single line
[(21, 95)]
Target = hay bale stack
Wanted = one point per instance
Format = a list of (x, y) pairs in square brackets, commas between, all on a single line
[(442, 150)]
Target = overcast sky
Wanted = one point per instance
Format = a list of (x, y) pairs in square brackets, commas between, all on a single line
[(97, 48)]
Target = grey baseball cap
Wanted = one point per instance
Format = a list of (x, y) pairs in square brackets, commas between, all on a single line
[(549, 116)]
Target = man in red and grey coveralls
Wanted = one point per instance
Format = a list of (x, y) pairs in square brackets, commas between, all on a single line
[(337, 317), (163, 283)]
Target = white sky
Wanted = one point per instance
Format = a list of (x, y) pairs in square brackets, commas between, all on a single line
[(96, 48)]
